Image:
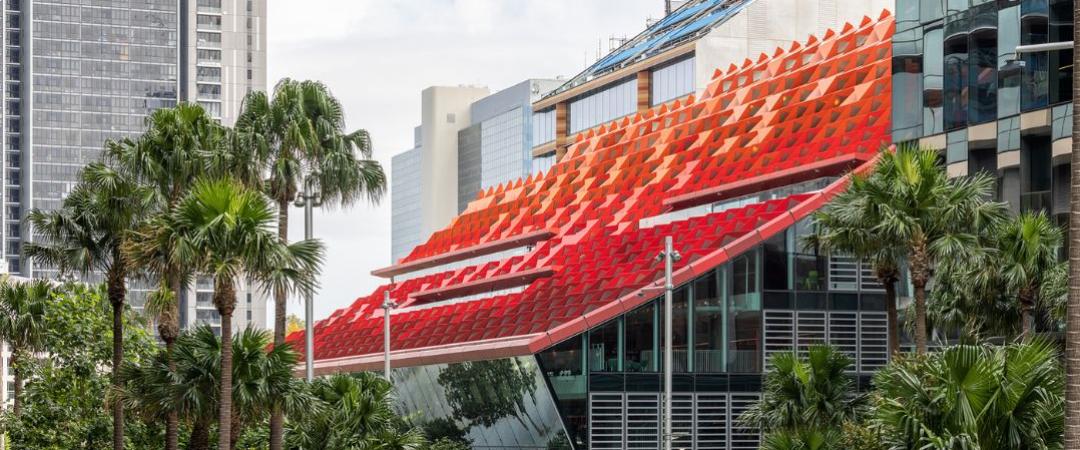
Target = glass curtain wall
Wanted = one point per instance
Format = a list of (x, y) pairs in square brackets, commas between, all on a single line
[(959, 58)]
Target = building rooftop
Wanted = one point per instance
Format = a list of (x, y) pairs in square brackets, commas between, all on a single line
[(533, 262), (691, 21)]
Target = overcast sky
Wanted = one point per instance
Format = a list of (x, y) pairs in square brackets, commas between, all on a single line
[(376, 57)]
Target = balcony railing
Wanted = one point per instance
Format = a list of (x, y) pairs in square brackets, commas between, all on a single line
[(1037, 201)]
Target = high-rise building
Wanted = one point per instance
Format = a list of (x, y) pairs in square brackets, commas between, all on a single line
[(959, 87), (678, 56), (426, 177), (225, 54), (497, 147), (490, 144), (76, 74)]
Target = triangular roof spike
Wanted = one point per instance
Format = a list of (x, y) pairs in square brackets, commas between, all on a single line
[(732, 68), (828, 34), (747, 62), (716, 73), (813, 40), (690, 99), (795, 45), (762, 58), (885, 14), (848, 26), (779, 51), (866, 20)]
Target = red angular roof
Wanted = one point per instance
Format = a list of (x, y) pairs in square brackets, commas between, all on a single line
[(819, 108)]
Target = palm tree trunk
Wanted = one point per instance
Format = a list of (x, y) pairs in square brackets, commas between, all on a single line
[(117, 290), (892, 319), (277, 417), (920, 276), (237, 428), (200, 436), (17, 378), (169, 330), (225, 301), (1027, 305), (1072, 328)]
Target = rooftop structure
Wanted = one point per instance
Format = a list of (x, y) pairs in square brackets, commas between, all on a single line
[(552, 281)]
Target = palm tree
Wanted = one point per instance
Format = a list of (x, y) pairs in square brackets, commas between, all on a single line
[(910, 199), (85, 236), (1027, 248), (815, 393), (300, 136), (228, 232), (22, 325), (261, 375), (356, 413), (1072, 318), (845, 226), (179, 145), (1001, 397)]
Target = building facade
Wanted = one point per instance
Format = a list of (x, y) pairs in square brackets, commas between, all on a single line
[(533, 321), (496, 148), (468, 141), (224, 54), (78, 74), (678, 56), (960, 88)]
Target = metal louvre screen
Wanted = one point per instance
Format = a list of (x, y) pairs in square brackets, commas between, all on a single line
[(844, 334), (710, 423), (873, 341), (743, 438), (779, 333), (811, 329), (642, 421), (701, 421), (606, 413), (863, 336)]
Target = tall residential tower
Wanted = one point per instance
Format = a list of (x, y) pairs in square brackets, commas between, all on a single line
[(76, 74)]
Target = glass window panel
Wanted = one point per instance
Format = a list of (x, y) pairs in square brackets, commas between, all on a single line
[(982, 44), (1008, 101), (907, 84), (1061, 62), (907, 14), (680, 325), (640, 340), (933, 72), (776, 273), (1034, 79), (955, 80), (604, 348), (744, 316), (931, 10), (708, 326)]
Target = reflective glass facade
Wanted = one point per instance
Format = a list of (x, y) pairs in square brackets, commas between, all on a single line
[(673, 81), (604, 105), (497, 404), (405, 198), (953, 62), (957, 79), (98, 71)]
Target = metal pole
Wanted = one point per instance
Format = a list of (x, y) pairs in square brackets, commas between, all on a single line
[(668, 351), (387, 305), (309, 314)]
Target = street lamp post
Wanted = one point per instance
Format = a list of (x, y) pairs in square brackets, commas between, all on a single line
[(388, 305), (669, 255), (309, 199)]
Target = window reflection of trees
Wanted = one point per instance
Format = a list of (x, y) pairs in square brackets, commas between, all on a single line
[(484, 392)]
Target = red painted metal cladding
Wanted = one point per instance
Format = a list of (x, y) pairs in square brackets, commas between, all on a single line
[(818, 108)]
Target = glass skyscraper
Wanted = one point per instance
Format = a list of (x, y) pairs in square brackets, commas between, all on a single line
[(959, 86), (77, 74)]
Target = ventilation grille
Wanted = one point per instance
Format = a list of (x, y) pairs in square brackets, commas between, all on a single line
[(700, 421), (863, 336)]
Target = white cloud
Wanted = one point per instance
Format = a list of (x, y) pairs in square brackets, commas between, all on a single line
[(376, 56)]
